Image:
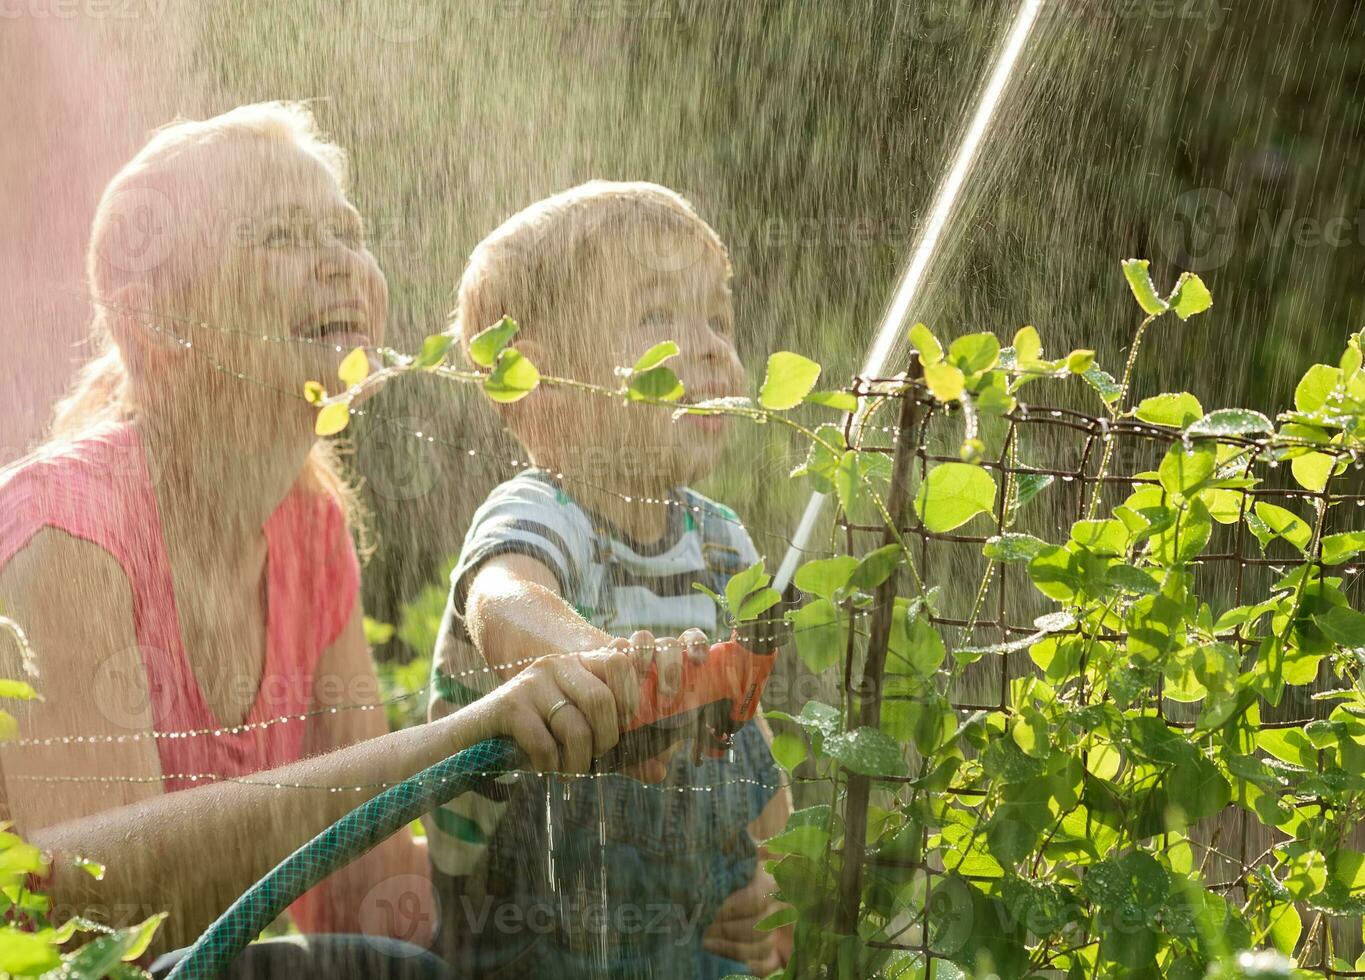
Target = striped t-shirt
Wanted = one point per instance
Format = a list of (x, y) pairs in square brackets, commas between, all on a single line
[(617, 584)]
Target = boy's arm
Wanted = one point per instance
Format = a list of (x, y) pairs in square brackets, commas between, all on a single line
[(514, 612)]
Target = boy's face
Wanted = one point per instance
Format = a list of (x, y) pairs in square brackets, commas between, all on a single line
[(646, 288)]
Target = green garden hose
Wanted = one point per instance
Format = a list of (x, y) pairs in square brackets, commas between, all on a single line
[(339, 845)]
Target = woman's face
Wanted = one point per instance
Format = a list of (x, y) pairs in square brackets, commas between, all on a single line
[(283, 277)]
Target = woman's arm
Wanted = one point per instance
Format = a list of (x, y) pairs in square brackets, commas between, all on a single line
[(395, 875), (192, 852)]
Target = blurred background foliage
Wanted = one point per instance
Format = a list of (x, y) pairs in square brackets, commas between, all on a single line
[(1210, 135)]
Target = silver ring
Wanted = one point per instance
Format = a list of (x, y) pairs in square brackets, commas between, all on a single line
[(561, 703)]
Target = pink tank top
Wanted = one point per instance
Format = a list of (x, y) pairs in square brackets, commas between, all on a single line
[(100, 489)]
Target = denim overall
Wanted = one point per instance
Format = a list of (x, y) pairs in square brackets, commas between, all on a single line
[(608, 877)]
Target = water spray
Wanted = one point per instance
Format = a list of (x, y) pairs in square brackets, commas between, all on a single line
[(925, 250)]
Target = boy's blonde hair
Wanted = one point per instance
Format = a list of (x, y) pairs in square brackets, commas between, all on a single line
[(104, 391), (534, 262)]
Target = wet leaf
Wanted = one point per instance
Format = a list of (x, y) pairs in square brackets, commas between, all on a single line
[(825, 576), (789, 378), (488, 344), (840, 401), (355, 368), (1231, 422), (332, 418), (923, 341), (1178, 410), (952, 494), (1136, 271), (655, 356), (867, 751), (513, 377), (434, 350), (658, 384), (1190, 296)]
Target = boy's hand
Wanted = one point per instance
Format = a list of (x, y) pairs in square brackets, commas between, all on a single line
[(668, 654), (732, 933)]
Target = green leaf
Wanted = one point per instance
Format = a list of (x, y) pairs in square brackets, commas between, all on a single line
[(377, 633), (790, 377), (1134, 881), (354, 368), (1343, 625), (974, 352), (1028, 346), (785, 915), (314, 393), (17, 690), (820, 635), (1080, 361), (1312, 470), (27, 953), (789, 750), (1313, 388), (1056, 572), (867, 751), (923, 341), (488, 344), (658, 384), (741, 584), (1107, 537), (825, 576), (945, 381), (821, 464), (1177, 410), (1027, 486), (655, 356), (806, 840), (332, 419), (1337, 548), (1131, 579), (840, 401), (434, 350), (1190, 296), (914, 647), (1136, 271), (512, 379), (1231, 422), (1186, 472), (1103, 382), (1012, 546), (877, 566), (952, 494), (1285, 524), (756, 605)]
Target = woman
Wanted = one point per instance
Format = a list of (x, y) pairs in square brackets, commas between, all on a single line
[(180, 558)]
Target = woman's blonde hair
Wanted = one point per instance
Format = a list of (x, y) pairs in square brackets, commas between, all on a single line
[(102, 391)]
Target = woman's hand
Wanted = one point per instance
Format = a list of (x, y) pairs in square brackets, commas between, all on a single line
[(564, 710)]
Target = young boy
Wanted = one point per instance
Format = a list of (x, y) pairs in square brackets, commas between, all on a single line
[(602, 541)]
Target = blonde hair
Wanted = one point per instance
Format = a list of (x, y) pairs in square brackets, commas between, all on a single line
[(530, 264), (103, 391)]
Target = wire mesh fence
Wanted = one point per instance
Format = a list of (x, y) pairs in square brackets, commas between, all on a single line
[(1054, 466)]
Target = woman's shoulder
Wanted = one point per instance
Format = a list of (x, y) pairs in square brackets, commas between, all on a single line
[(92, 487)]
